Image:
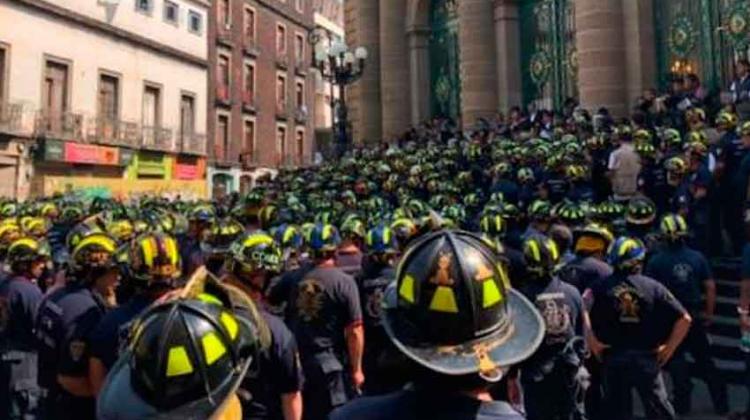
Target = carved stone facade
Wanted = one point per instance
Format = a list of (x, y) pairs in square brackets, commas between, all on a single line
[(615, 44)]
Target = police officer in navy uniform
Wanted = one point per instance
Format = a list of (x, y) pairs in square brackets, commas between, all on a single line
[(152, 267), (326, 318), (273, 391), (65, 321), (377, 273), (452, 312), (636, 326), (552, 377), (19, 299), (686, 273)]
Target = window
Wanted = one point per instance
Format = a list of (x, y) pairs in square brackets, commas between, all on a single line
[(280, 39), (299, 48), (151, 106), (300, 140), (187, 115), (249, 23), (281, 92), (171, 12), (223, 80), (281, 141), (195, 22), (144, 5), (299, 5), (221, 145), (249, 79), (224, 13), (55, 94), (107, 104), (249, 137), (299, 91)]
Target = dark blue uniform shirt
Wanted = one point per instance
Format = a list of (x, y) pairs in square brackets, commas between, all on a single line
[(19, 299), (279, 372), (633, 312), (322, 305), (65, 321), (683, 271), (745, 270), (112, 332), (584, 271), (425, 405)]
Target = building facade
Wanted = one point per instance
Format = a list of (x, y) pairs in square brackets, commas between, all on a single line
[(472, 58), (105, 97), (261, 90)]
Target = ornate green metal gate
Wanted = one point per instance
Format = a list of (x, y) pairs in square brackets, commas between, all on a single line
[(704, 37), (445, 81), (549, 58)]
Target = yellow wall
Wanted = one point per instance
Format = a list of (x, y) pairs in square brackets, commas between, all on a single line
[(123, 187)]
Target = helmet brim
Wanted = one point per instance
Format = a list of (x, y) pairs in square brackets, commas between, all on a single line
[(119, 400), (505, 347)]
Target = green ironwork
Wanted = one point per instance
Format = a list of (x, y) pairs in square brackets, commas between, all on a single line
[(704, 37), (445, 78), (549, 57)]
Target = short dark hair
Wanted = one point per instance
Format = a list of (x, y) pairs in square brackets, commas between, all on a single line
[(744, 62)]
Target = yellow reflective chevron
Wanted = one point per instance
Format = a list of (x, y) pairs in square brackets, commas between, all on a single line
[(490, 293), (29, 242), (535, 250), (230, 324), (444, 300), (327, 232), (406, 291), (178, 362), (171, 247), (213, 348), (207, 298), (552, 249), (258, 239)]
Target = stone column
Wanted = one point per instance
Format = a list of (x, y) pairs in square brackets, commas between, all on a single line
[(419, 72), (394, 68), (640, 45), (476, 35), (601, 54), (508, 48), (362, 23)]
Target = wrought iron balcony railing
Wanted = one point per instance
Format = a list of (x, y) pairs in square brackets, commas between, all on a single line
[(62, 125), (115, 132), (192, 143), (157, 138), (11, 116)]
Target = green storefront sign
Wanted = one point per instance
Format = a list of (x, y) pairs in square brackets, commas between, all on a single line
[(54, 151)]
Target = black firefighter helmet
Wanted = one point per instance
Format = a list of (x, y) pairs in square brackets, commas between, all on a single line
[(453, 311)]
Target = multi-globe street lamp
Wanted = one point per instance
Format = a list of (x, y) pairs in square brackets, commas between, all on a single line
[(341, 66)]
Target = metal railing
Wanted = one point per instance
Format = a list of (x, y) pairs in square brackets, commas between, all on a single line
[(11, 116), (251, 46), (62, 125), (115, 132), (301, 115), (157, 138), (192, 143), (282, 60), (282, 110)]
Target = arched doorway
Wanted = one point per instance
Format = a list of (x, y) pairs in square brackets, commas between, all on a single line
[(445, 81), (221, 185)]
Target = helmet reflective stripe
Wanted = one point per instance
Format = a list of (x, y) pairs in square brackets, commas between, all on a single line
[(29, 242), (327, 232), (178, 362), (255, 240), (213, 348), (148, 247), (534, 247), (406, 291), (105, 242), (289, 234), (171, 247)]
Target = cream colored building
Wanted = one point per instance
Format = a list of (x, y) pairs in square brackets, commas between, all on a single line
[(102, 77)]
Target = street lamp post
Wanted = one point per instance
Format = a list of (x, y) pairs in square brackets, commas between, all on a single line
[(340, 66)]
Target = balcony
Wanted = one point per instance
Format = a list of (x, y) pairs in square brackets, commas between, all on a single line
[(300, 67), (157, 138), (248, 101), (282, 111), (249, 160), (301, 115), (282, 61), (111, 131), (192, 143), (224, 34), (61, 125), (11, 117), (223, 96), (251, 47)]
